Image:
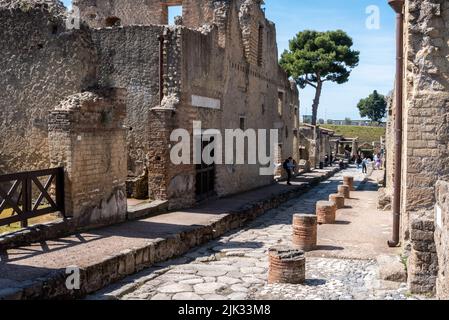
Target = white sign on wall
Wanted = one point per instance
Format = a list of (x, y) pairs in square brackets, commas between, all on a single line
[(205, 102)]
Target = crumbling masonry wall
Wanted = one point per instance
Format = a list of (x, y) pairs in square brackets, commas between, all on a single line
[(87, 138), (425, 148), (222, 88), (101, 13), (214, 70)]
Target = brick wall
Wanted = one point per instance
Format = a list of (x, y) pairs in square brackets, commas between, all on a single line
[(87, 138)]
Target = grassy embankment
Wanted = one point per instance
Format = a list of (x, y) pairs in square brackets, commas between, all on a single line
[(365, 134)]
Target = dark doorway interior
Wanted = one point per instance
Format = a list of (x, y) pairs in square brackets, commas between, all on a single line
[(205, 177)]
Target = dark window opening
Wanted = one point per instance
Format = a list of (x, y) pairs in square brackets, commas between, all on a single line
[(260, 47), (242, 123), (113, 22), (296, 117)]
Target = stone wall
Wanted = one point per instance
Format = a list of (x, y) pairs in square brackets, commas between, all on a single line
[(87, 138), (219, 86), (316, 143), (129, 58), (42, 62), (442, 238), (425, 151), (100, 13), (426, 118), (220, 67)]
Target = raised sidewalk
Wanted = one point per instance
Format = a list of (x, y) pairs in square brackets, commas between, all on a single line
[(109, 254)]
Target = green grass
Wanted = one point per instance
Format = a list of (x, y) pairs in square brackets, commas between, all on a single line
[(16, 226), (365, 134)]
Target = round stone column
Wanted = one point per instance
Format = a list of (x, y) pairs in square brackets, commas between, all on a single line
[(287, 265), (326, 212), (349, 181), (305, 231), (345, 191), (338, 199)]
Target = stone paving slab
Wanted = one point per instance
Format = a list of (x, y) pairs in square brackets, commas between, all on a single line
[(109, 254)]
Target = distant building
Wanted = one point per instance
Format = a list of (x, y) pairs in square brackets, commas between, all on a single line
[(358, 123), (307, 119)]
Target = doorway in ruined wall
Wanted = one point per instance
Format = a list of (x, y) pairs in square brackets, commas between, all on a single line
[(205, 176)]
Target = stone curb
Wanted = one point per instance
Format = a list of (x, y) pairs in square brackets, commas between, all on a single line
[(128, 262)]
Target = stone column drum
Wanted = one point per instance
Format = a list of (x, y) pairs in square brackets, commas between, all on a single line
[(326, 212), (345, 191), (349, 181), (338, 199), (287, 265), (305, 231)]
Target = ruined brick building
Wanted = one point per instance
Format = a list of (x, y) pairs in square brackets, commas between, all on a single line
[(423, 99), (218, 65)]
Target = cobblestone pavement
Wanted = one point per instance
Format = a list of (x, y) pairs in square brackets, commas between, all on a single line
[(235, 266)]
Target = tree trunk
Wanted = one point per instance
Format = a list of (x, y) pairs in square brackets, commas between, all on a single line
[(316, 101)]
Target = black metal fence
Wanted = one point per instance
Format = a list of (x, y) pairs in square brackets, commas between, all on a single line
[(27, 195)]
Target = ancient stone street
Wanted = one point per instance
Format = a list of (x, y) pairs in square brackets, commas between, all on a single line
[(235, 266), (224, 150)]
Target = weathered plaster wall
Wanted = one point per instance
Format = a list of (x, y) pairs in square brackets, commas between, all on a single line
[(41, 63)]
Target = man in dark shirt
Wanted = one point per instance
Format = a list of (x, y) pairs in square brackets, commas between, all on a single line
[(288, 164)]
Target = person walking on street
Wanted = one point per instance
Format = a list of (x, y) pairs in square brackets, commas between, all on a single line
[(288, 166), (378, 160), (365, 165), (359, 161)]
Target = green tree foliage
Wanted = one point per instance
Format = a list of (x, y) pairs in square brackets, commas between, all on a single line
[(374, 107), (316, 57)]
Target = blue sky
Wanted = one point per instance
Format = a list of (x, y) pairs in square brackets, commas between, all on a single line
[(376, 46)]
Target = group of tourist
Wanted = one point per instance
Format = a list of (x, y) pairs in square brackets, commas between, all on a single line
[(362, 161), (365, 162)]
